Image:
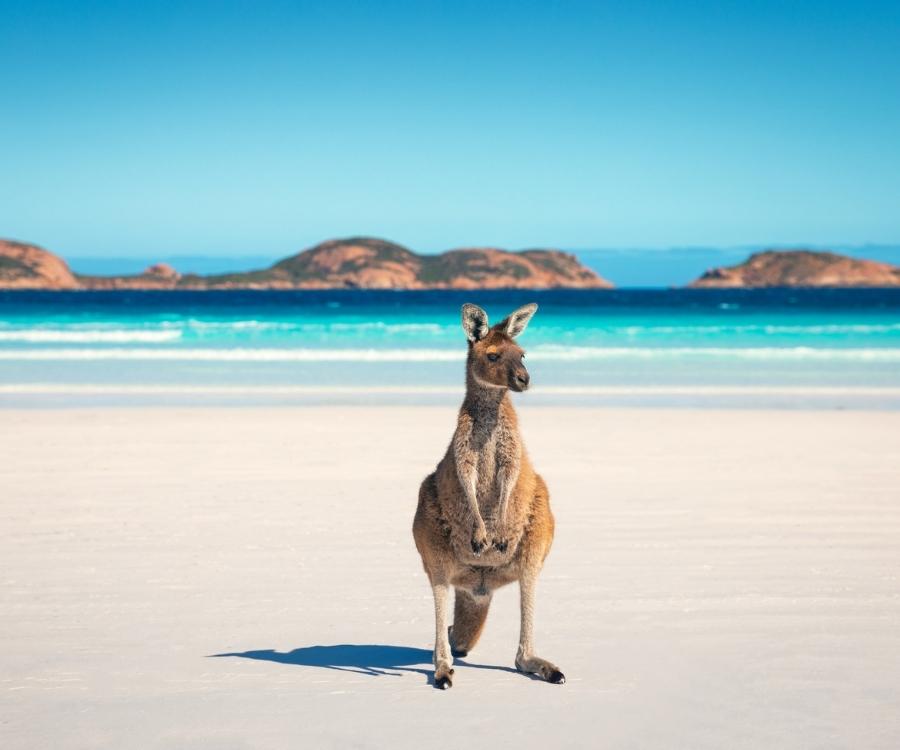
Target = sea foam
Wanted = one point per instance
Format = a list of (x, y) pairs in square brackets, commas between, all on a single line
[(76, 336), (544, 352)]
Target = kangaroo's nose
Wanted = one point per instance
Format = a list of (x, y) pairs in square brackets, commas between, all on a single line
[(522, 378)]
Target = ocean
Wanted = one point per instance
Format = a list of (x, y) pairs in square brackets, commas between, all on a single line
[(782, 348)]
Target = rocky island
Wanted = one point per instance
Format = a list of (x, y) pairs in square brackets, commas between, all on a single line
[(800, 268), (30, 267), (358, 262), (369, 263)]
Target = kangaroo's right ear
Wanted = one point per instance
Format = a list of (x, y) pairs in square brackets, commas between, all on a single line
[(474, 322)]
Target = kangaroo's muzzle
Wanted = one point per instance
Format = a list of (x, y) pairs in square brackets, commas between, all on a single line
[(520, 380)]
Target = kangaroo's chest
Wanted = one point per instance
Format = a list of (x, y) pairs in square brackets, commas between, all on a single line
[(493, 447)]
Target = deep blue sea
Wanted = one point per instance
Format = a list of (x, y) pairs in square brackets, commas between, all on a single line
[(622, 346)]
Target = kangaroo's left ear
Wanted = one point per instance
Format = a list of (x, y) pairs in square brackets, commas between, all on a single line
[(517, 321)]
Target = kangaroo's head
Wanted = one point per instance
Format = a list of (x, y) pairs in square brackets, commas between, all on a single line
[(495, 359)]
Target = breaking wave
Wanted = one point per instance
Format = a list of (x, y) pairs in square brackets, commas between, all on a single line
[(305, 326), (543, 352), (77, 336)]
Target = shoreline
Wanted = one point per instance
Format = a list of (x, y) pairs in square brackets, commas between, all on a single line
[(152, 396)]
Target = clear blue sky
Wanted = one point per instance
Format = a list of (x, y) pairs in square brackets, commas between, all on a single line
[(233, 128)]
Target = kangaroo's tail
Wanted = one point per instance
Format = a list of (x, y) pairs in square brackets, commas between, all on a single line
[(469, 614)]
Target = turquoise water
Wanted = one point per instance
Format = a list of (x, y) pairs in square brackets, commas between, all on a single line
[(580, 344)]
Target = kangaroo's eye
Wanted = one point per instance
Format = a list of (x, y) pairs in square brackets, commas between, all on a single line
[(493, 357)]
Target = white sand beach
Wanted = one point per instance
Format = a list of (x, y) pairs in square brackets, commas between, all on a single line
[(246, 578)]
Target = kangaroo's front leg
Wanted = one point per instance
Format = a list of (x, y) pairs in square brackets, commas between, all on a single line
[(479, 530), (507, 477), (443, 660), (468, 478), (526, 661)]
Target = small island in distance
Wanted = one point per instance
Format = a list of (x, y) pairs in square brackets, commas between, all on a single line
[(800, 268), (370, 263)]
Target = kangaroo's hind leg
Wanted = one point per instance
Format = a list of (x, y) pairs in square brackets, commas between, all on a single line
[(443, 660), (469, 614), (526, 661), (432, 546)]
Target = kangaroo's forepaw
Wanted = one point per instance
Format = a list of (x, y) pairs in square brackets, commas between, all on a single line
[(443, 678), (501, 545), (479, 541)]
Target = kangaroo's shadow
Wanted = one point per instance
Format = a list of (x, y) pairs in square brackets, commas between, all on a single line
[(372, 660)]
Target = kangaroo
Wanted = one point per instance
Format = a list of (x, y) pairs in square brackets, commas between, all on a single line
[(483, 518)]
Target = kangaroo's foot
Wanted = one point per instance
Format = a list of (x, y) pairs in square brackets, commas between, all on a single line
[(479, 539), (443, 676), (541, 667)]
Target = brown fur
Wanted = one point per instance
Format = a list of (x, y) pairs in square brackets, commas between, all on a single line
[(483, 518)]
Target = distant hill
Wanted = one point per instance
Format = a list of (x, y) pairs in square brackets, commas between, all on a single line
[(358, 262), (24, 266), (800, 268)]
